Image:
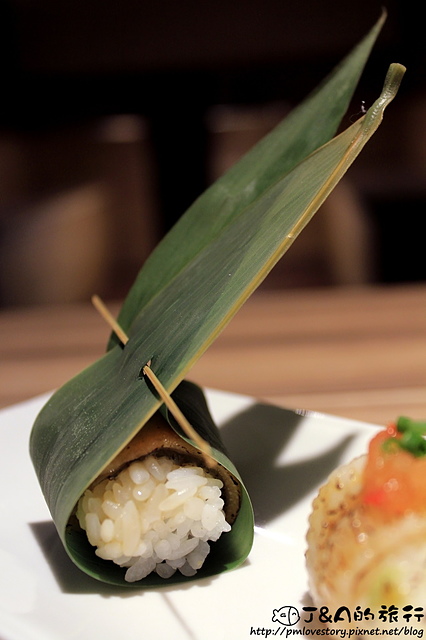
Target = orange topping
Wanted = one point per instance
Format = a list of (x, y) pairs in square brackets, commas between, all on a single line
[(394, 479)]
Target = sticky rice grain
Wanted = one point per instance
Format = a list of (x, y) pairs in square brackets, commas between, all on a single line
[(154, 516)]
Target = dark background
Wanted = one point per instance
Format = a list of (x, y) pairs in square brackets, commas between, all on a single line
[(198, 82)]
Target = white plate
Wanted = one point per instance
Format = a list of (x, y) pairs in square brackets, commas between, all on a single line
[(282, 455)]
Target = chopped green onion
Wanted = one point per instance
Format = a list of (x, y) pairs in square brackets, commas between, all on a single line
[(412, 439)]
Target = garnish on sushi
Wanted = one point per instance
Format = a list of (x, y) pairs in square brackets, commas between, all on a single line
[(396, 470), (367, 530)]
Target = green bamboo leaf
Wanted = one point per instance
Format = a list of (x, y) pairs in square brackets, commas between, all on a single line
[(174, 328), (91, 418), (305, 129)]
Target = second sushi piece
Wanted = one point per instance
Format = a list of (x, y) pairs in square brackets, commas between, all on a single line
[(367, 530)]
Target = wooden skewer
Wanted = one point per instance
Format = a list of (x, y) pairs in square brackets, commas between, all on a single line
[(100, 306), (161, 390), (179, 417)]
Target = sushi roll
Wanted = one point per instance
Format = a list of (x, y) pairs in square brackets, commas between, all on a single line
[(366, 546), (146, 511), (156, 507)]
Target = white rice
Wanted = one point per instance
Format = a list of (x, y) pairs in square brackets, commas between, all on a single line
[(154, 516)]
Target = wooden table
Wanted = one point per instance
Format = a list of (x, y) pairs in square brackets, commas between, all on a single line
[(353, 352)]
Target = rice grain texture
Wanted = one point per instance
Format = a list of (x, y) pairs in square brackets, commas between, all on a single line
[(154, 516)]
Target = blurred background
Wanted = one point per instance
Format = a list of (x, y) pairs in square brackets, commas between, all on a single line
[(115, 116)]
